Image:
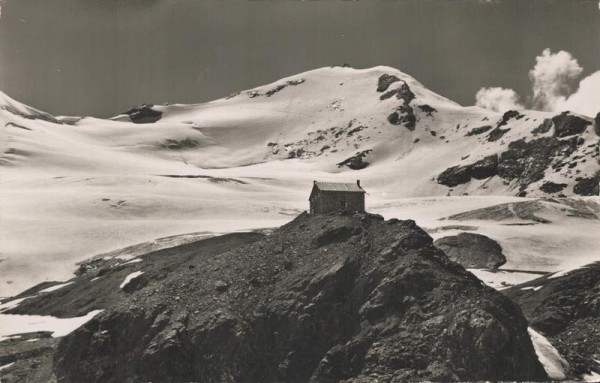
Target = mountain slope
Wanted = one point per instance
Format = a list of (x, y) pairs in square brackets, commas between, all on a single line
[(76, 187)]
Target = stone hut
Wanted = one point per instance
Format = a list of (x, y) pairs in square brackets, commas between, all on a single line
[(330, 197)]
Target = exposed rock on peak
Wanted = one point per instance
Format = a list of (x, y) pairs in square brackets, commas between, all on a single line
[(384, 82), (405, 94), (143, 114)]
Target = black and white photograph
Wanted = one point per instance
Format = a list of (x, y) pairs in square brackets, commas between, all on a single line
[(320, 191)]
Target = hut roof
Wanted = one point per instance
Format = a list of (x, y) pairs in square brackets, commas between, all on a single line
[(339, 187)]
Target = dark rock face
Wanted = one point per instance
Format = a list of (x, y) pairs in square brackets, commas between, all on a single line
[(356, 162), (481, 169), (324, 298), (455, 175), (280, 87), (597, 124), (144, 114), (566, 309), (478, 130), (428, 110), (568, 125), (404, 116), (187, 143), (508, 115), (388, 94), (405, 94), (484, 168), (588, 186), (528, 160), (497, 134), (544, 127), (384, 82), (524, 160), (472, 250), (551, 187)]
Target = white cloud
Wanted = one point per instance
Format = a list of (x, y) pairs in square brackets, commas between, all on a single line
[(586, 100), (552, 77), (497, 99)]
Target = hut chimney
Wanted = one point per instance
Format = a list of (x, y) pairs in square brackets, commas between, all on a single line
[(358, 183)]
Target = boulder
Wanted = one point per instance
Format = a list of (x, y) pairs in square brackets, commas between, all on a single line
[(472, 250)]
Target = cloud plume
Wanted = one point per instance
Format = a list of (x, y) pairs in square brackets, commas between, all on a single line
[(586, 100), (552, 77), (497, 99)]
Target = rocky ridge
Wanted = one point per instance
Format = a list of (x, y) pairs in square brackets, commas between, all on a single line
[(565, 307), (323, 298)]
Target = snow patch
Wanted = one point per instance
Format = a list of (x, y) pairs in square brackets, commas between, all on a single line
[(6, 366), (130, 277), (591, 377), (554, 364), (55, 287), (534, 288), (12, 304), (136, 260), (502, 279), (11, 325), (562, 273)]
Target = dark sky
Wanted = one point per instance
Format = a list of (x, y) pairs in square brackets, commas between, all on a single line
[(100, 57)]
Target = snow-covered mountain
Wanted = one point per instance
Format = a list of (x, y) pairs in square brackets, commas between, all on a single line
[(74, 187)]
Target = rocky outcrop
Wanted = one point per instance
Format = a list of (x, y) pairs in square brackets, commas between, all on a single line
[(498, 132), (384, 82), (405, 94), (356, 162), (428, 110), (481, 169), (478, 130), (280, 87), (507, 116), (474, 251), (568, 125), (527, 161), (404, 116), (552, 187), (323, 299), (565, 307), (597, 124), (544, 127), (143, 114), (187, 143), (588, 186)]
